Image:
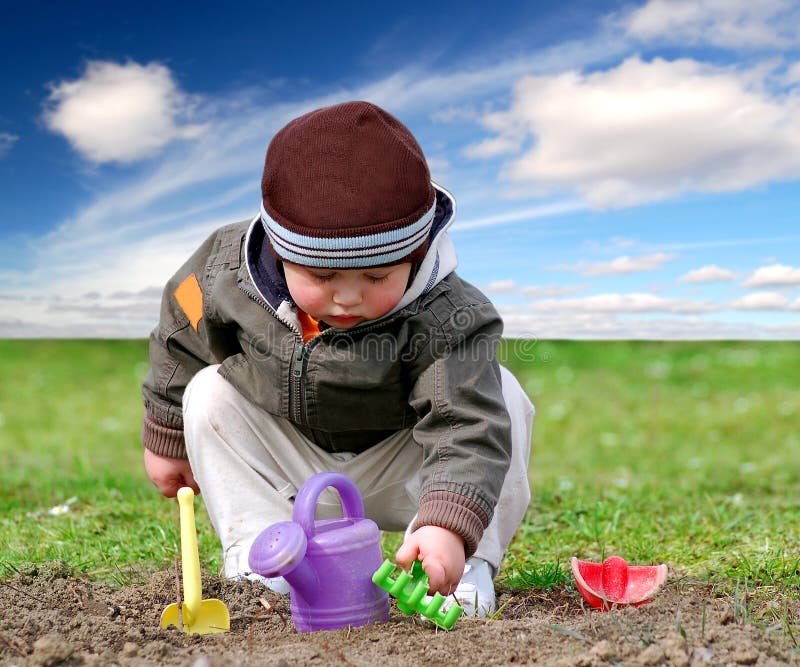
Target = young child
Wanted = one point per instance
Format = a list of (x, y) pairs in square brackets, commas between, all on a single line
[(332, 333)]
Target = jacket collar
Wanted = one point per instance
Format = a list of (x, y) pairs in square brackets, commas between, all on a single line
[(440, 260), (263, 266)]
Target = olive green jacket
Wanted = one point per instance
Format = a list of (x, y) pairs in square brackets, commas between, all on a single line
[(429, 366)]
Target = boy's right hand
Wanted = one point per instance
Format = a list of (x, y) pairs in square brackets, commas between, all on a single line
[(441, 552), (167, 474)]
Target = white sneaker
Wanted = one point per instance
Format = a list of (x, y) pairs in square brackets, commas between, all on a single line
[(475, 591), (238, 567), (277, 585)]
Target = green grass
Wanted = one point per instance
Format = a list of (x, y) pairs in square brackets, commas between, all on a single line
[(683, 453)]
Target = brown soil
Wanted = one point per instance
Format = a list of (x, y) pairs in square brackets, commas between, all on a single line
[(49, 618)]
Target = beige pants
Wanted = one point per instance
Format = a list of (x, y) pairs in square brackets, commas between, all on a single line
[(249, 465)]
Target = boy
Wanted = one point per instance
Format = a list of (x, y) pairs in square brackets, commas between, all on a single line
[(331, 333)]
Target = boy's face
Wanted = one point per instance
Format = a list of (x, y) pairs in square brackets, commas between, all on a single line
[(344, 298)]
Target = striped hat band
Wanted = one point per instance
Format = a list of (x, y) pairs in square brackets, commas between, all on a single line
[(348, 252)]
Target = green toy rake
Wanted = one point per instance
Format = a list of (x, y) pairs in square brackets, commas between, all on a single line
[(410, 590)]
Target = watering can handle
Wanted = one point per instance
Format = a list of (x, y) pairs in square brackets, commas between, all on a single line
[(305, 504)]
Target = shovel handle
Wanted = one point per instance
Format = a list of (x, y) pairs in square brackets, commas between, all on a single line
[(190, 557)]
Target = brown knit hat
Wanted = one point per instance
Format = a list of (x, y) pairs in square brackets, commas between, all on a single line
[(347, 186)]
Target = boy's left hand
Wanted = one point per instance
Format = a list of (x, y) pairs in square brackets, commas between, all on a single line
[(168, 474), (441, 552)]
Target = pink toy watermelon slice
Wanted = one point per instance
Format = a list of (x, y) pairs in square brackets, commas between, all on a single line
[(615, 583)]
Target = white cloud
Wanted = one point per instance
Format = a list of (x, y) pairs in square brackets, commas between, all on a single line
[(761, 301), (510, 137), (707, 274), (493, 147), (6, 142), (621, 242), (729, 23), (611, 326), (733, 243), (438, 165), (615, 243), (522, 215), (456, 114), (141, 225), (502, 287), (92, 315), (646, 131), (792, 75), (619, 266), (120, 113), (775, 275), (624, 303), (413, 87), (130, 265), (140, 229), (537, 292)]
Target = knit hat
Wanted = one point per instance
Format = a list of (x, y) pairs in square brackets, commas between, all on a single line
[(347, 186)]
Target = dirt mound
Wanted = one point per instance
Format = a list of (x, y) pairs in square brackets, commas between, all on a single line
[(49, 618)]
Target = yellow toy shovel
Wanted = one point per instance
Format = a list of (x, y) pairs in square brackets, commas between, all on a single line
[(198, 616)]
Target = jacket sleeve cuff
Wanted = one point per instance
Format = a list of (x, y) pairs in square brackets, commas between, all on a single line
[(454, 512), (162, 438)]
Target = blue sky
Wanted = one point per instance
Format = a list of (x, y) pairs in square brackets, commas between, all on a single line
[(622, 170)]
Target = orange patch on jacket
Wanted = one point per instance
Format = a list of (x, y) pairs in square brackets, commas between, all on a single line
[(190, 298)]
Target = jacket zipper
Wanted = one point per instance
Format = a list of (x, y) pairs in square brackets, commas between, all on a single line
[(254, 296), (297, 381), (300, 350), (296, 375)]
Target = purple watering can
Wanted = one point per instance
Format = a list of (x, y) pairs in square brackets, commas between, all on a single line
[(328, 563)]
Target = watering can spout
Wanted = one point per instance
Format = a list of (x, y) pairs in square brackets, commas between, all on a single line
[(304, 580), (280, 551)]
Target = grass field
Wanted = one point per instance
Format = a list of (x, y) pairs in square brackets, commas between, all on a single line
[(684, 453)]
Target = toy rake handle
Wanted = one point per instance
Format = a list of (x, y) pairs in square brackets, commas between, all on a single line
[(190, 558), (305, 504)]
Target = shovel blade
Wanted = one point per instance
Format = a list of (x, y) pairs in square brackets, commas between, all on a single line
[(212, 617)]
